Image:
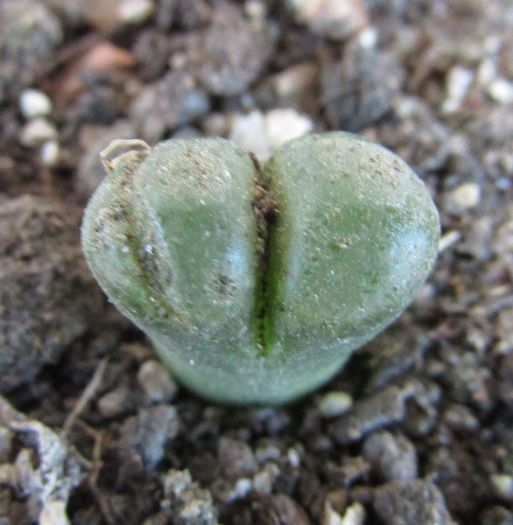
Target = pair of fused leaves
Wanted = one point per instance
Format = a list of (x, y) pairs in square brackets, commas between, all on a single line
[(255, 284)]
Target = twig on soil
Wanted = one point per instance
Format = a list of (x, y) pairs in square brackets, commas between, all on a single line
[(86, 396), (96, 466)]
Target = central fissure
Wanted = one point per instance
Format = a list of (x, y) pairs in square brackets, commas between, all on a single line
[(266, 212)]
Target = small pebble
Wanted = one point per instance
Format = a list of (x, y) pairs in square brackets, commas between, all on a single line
[(172, 101), (503, 486), (333, 404), (504, 343), (487, 71), (354, 515), (336, 511), (359, 89), (37, 132), (53, 513), (264, 480), (241, 489), (411, 503), (256, 11), (261, 133), (501, 90), (293, 457), (460, 418), (135, 11), (216, 124), (295, 80), (283, 125), (448, 240), (330, 515), (148, 433), (236, 459), (267, 452), (156, 382), (248, 132), (368, 38), (504, 184), (458, 84), (34, 103), (372, 413), (231, 52), (422, 414), (464, 197), (114, 403), (49, 153), (394, 457), (189, 503), (334, 19)]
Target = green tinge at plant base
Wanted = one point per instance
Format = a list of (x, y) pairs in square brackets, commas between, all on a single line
[(172, 240)]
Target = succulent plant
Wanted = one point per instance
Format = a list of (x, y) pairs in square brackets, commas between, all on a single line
[(255, 283)]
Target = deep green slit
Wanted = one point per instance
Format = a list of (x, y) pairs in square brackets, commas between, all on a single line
[(266, 217), (263, 303)]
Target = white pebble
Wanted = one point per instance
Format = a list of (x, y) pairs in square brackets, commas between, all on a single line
[(135, 11), (255, 10), (285, 124), (368, 38), (53, 513), (448, 240), (503, 485), (464, 197), (336, 19), (458, 84), (261, 133), (501, 90), (330, 515), (354, 515), (49, 153), (241, 489), (293, 457), (487, 71), (333, 404), (156, 382), (37, 132), (248, 132), (34, 103)]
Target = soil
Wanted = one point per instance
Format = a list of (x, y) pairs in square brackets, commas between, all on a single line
[(418, 428)]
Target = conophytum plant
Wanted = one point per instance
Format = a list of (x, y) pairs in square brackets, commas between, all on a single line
[(256, 282)]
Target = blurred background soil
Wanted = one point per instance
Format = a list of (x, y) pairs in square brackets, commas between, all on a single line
[(418, 428)]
